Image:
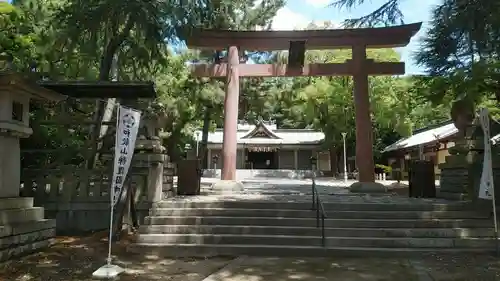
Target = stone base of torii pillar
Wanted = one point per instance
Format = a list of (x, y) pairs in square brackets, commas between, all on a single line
[(224, 187), (367, 187)]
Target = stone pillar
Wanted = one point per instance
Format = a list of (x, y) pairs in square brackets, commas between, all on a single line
[(11, 130), (155, 182), (364, 139), (461, 172), (454, 179), (151, 152), (10, 166), (231, 116)]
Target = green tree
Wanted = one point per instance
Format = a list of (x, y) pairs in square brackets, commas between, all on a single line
[(461, 54), (231, 15), (17, 39), (388, 13)]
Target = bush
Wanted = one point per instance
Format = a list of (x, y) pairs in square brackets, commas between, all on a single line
[(383, 168)]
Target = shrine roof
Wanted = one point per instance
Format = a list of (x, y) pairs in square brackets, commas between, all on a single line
[(101, 89), (425, 136), (282, 136), (381, 37)]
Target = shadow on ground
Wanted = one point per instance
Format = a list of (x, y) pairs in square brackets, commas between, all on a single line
[(76, 259), (316, 269), (429, 268)]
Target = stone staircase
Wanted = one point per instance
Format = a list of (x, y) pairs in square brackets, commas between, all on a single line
[(288, 228), (23, 228)]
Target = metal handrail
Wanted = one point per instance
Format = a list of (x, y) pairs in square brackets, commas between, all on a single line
[(317, 206)]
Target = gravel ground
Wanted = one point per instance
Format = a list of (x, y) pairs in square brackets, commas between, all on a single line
[(459, 268), (75, 259)]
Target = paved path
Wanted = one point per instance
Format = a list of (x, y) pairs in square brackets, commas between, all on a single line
[(327, 186), (293, 190), (477, 268)]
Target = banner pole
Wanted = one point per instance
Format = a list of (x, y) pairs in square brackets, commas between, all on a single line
[(495, 224), (110, 271), (493, 200), (110, 236)]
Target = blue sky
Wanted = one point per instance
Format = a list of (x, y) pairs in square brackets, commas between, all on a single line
[(301, 12)]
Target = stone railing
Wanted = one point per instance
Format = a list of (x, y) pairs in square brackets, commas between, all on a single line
[(79, 199)]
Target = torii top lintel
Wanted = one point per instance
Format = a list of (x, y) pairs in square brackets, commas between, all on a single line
[(381, 37)]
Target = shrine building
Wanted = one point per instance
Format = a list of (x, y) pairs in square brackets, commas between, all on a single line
[(262, 146)]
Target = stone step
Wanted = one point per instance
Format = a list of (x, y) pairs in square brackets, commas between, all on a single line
[(311, 222), (393, 242), (16, 203), (233, 212), (207, 250), (12, 216), (20, 228), (26, 238), (313, 231), (302, 204), (15, 251)]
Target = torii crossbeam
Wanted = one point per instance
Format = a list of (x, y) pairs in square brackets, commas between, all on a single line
[(297, 42)]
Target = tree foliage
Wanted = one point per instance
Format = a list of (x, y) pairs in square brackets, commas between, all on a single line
[(183, 103), (388, 13), (17, 39), (461, 54)]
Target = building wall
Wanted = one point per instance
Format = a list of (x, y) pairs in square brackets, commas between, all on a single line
[(304, 159), (240, 159), (286, 159), (324, 161), (437, 157)]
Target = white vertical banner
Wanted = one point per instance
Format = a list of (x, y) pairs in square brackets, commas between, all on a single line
[(486, 187), (127, 125), (126, 134)]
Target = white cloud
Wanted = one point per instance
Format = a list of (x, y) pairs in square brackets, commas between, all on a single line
[(319, 3), (287, 19)]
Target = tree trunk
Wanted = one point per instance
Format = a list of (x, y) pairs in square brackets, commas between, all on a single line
[(334, 167), (103, 112), (105, 68)]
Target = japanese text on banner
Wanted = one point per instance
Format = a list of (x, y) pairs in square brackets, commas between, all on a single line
[(486, 187), (126, 134)]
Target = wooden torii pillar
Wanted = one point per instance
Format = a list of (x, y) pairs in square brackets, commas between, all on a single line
[(359, 67)]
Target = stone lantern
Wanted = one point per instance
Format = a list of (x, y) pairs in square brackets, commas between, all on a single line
[(15, 95), (23, 224)]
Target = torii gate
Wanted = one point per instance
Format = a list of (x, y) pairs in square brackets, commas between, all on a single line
[(297, 42)]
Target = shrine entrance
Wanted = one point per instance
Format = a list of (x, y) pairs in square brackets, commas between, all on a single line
[(262, 159), (296, 42)]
